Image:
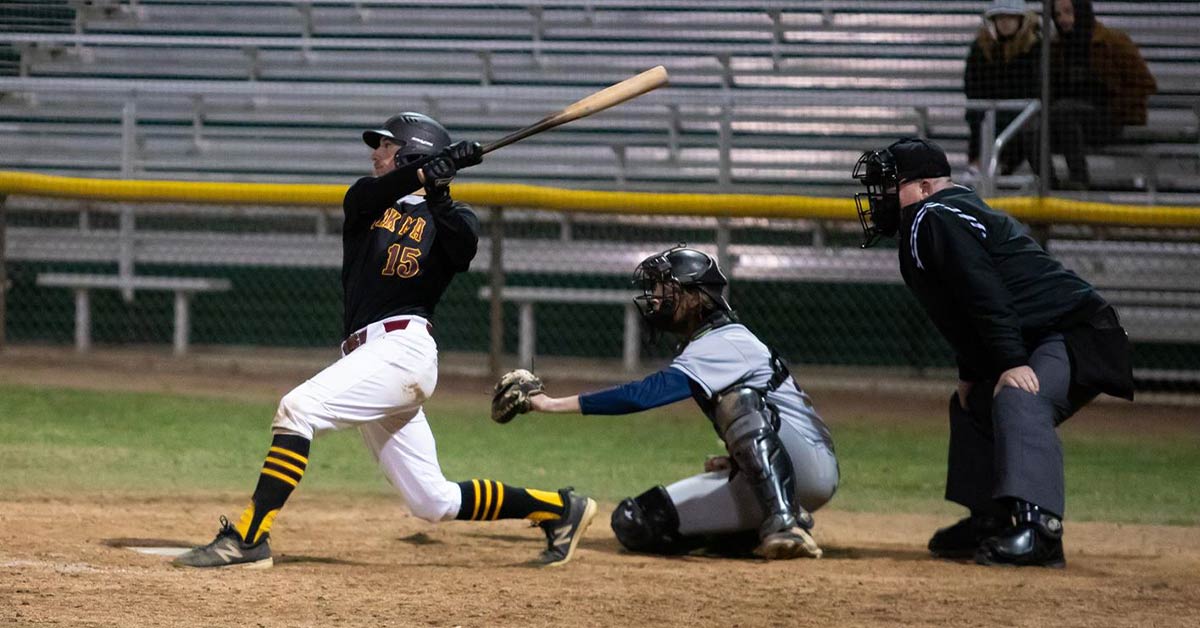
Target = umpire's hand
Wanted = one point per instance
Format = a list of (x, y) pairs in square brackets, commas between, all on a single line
[(1021, 377), (964, 390), (718, 463)]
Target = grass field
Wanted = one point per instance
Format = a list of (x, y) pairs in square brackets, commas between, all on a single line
[(63, 442)]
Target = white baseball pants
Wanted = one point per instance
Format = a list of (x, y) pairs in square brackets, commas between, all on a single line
[(380, 388)]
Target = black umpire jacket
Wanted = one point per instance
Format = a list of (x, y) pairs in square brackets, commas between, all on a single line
[(994, 293)]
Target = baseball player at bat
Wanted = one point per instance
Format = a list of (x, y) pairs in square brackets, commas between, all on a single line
[(404, 240), (781, 465), (1033, 341)]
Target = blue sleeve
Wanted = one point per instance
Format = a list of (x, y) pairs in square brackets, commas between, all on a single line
[(661, 388)]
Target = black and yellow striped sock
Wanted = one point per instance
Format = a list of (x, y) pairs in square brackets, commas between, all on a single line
[(488, 500), (281, 473)]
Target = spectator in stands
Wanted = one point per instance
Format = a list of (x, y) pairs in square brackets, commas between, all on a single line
[(1004, 63), (1100, 84)]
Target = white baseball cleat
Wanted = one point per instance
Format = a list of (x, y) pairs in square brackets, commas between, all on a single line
[(795, 542)]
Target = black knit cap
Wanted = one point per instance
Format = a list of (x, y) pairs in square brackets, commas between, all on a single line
[(919, 159)]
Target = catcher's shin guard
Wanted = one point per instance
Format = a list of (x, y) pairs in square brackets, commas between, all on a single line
[(745, 423)]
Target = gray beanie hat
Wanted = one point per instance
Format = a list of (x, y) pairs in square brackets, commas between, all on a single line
[(1005, 7)]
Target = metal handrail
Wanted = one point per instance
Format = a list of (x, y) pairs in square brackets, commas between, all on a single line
[(1007, 134), (532, 93), (134, 90), (990, 148)]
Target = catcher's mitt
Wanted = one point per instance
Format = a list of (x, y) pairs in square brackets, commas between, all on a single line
[(512, 393)]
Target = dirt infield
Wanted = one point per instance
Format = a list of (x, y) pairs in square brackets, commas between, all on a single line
[(366, 563)]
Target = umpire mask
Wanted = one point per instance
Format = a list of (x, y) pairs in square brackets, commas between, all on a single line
[(880, 217)]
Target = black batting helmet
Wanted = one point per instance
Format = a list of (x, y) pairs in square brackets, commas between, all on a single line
[(418, 136), (676, 269)]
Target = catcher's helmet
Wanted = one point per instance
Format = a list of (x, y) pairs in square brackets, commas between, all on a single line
[(676, 269), (418, 135)]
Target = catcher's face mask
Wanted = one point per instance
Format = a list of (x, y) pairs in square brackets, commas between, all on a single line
[(660, 292), (881, 215)]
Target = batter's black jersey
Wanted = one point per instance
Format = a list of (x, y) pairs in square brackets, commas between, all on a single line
[(988, 286), (398, 256)]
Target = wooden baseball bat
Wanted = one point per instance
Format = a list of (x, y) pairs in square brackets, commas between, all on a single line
[(628, 89)]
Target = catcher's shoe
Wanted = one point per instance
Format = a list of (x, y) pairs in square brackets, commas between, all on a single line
[(227, 550), (563, 534), (962, 539), (794, 542)]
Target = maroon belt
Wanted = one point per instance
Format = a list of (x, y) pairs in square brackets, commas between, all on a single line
[(359, 338)]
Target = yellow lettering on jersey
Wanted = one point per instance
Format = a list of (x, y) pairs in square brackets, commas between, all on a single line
[(417, 230), (388, 220), (408, 224)]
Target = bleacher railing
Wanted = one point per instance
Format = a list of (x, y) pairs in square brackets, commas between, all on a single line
[(748, 78)]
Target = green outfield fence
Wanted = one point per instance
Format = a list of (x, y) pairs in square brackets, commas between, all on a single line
[(118, 99), (799, 277)]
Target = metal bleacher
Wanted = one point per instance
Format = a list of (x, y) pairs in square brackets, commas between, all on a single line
[(766, 97), (774, 97)]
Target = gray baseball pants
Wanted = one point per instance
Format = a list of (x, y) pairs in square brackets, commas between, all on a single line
[(712, 503), (1006, 446)]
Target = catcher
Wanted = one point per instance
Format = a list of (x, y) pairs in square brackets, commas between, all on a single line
[(781, 464)]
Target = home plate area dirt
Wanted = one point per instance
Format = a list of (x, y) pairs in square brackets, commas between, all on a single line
[(365, 562)]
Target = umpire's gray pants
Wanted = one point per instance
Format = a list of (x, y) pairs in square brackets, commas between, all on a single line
[(1006, 446), (712, 503)]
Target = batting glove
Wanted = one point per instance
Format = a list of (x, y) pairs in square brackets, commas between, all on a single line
[(465, 154), (438, 173)]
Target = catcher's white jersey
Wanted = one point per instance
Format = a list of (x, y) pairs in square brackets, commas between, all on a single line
[(717, 502), (730, 356)]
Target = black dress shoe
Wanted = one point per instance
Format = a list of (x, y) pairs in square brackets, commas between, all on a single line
[(962, 539), (1035, 541)]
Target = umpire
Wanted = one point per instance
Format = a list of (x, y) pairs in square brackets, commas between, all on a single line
[(1033, 341)]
